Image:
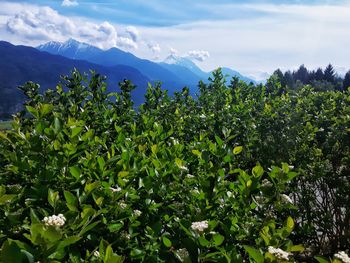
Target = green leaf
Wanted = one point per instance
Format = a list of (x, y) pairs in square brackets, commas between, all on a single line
[(296, 248), (10, 252), (237, 150), (218, 140), (101, 162), (254, 254), (7, 199), (53, 197), (76, 131), (88, 228), (75, 172), (154, 149), (123, 174), (218, 239), (203, 242), (68, 241), (198, 153), (111, 257), (258, 171), (292, 175), (71, 201), (115, 227), (70, 198), (166, 241), (179, 163), (52, 234), (322, 259), (32, 111), (45, 109), (290, 224)]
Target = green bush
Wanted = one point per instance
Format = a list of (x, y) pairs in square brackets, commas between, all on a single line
[(87, 177)]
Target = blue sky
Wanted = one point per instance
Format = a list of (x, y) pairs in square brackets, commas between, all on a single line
[(253, 37)]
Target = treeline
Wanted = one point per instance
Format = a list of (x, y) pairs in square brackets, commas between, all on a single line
[(320, 79)]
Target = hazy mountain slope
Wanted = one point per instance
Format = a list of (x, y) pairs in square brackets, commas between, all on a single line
[(114, 56), (19, 64)]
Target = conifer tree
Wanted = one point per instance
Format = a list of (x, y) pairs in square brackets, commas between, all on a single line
[(346, 82), (329, 74)]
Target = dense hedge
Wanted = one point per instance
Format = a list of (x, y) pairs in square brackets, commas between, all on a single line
[(241, 173)]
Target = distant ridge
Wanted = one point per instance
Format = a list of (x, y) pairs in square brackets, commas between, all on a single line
[(19, 64), (174, 72), (76, 50)]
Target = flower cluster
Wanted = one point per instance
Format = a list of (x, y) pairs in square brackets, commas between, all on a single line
[(137, 212), (266, 183), (342, 256), (115, 190), (122, 205), (182, 254), (190, 176), (200, 226), (54, 220), (279, 253), (286, 199), (96, 254)]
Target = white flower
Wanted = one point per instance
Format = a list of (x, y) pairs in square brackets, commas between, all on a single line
[(286, 199), (126, 235), (190, 176), (342, 256), (54, 220), (115, 190), (279, 253), (137, 212), (96, 254), (266, 183), (202, 116), (122, 205), (182, 254), (200, 226)]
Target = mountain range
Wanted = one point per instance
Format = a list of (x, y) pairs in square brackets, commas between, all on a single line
[(46, 63), (174, 70)]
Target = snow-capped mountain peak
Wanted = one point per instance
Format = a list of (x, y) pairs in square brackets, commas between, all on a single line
[(70, 48), (174, 59)]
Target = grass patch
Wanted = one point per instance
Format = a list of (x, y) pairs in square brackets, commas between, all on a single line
[(5, 125)]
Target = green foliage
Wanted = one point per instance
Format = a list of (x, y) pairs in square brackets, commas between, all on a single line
[(181, 179)]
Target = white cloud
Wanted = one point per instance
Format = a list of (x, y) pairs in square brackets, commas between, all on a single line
[(199, 55), (282, 36), (154, 47), (133, 33), (69, 3), (266, 37), (44, 23), (174, 51), (126, 42)]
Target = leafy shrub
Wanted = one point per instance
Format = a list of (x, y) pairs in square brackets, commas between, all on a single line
[(86, 177)]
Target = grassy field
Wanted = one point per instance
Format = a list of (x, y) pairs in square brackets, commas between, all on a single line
[(5, 125)]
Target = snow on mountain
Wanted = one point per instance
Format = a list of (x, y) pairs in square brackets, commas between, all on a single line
[(185, 62), (71, 48)]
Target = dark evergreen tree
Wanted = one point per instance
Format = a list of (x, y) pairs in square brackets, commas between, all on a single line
[(280, 77), (346, 81), (329, 74), (288, 78), (311, 77), (301, 74), (319, 74)]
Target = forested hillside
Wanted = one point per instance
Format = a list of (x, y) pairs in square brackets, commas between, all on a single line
[(242, 173)]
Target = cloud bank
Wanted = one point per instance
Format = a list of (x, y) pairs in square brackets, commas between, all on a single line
[(69, 3)]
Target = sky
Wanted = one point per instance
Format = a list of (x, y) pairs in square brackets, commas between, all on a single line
[(253, 37)]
